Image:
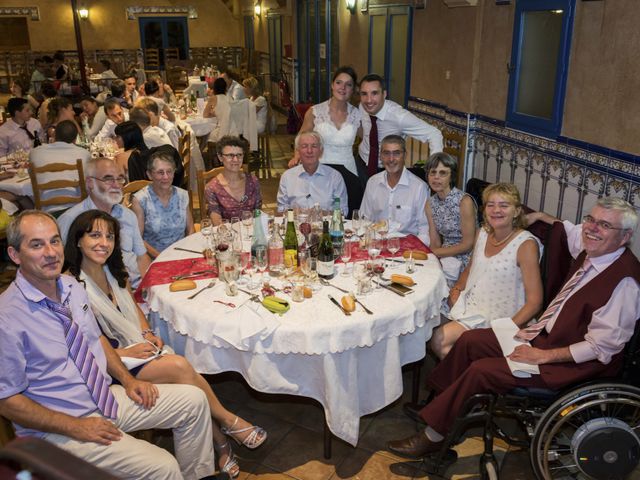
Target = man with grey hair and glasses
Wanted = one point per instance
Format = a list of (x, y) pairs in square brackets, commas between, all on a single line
[(104, 181)]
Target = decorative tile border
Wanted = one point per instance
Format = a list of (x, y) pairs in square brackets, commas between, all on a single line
[(132, 12), (33, 12)]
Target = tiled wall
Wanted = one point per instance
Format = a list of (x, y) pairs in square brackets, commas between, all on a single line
[(563, 177)]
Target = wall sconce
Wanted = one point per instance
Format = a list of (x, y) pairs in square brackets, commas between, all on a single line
[(351, 6), (83, 13), (257, 9)]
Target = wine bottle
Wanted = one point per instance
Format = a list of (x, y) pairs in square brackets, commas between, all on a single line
[(337, 227), (325, 253), (259, 238), (290, 243)]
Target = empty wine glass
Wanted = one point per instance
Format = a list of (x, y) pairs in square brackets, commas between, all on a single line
[(382, 228), (373, 244), (393, 245), (345, 256), (247, 222), (355, 222)]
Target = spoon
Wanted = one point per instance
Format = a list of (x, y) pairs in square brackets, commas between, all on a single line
[(209, 285), (329, 284)]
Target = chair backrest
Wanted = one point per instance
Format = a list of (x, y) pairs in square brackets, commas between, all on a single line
[(456, 144), (184, 148), (130, 188), (64, 180), (203, 177), (151, 59), (417, 152)]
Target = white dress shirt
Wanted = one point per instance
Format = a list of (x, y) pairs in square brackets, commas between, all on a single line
[(58, 152), (13, 137), (298, 188), (108, 130), (99, 119), (236, 91), (402, 205), (395, 120), (612, 324), (171, 130), (155, 137)]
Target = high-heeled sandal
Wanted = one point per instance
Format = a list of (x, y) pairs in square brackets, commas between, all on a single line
[(231, 466), (252, 441)]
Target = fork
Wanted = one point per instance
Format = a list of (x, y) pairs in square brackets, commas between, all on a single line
[(209, 285)]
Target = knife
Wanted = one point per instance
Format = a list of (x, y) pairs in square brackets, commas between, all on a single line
[(187, 250), (193, 274), (338, 305), (402, 261)]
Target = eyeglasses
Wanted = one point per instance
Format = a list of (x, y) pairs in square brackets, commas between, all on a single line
[(162, 173), (111, 180), (231, 156), (394, 153), (439, 173), (600, 223)]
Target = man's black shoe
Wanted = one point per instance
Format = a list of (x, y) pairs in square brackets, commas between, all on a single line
[(219, 476), (412, 410)]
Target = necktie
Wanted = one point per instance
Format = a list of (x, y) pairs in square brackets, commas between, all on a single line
[(85, 361), (372, 166), (532, 331), (34, 138)]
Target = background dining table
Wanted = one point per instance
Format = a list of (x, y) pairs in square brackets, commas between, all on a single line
[(350, 364)]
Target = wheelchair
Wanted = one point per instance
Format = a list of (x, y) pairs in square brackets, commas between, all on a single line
[(589, 431)]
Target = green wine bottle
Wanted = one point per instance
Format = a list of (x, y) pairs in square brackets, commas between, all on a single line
[(325, 254), (290, 243)]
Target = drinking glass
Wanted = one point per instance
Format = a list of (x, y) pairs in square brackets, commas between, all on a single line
[(378, 269), (261, 259), (206, 228), (355, 222), (247, 222), (373, 245), (345, 256), (361, 277), (251, 269), (393, 245), (303, 255), (311, 272), (382, 228)]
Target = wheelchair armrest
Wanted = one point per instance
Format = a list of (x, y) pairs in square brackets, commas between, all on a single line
[(536, 393)]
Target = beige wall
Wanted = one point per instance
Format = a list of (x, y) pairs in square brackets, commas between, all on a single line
[(108, 28), (353, 35)]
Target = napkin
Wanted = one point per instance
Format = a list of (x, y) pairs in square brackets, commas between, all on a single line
[(505, 331)]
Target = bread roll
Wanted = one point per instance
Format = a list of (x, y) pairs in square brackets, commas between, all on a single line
[(182, 285)]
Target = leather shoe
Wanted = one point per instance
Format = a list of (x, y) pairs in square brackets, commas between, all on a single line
[(412, 410), (219, 476), (415, 446)]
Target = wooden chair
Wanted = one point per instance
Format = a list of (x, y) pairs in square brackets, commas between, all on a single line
[(184, 148), (203, 177), (264, 147), (172, 53), (151, 60), (57, 168), (417, 152), (130, 188), (455, 144)]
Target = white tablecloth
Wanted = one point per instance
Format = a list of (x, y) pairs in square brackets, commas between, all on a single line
[(201, 126), (17, 186), (351, 365)]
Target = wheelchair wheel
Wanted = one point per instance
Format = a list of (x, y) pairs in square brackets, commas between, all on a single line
[(488, 468), (589, 434)]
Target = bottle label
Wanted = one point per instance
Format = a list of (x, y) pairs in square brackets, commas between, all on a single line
[(291, 258), (325, 269)]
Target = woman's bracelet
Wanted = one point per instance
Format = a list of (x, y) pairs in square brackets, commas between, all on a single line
[(148, 330)]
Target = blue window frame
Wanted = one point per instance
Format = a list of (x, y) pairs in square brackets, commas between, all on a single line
[(539, 65)]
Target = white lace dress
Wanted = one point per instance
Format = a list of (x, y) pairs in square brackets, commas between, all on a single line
[(338, 143), (494, 287)]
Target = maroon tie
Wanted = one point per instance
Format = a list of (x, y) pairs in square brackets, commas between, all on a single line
[(372, 167)]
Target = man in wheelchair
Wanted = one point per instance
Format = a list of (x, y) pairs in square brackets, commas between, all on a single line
[(580, 336)]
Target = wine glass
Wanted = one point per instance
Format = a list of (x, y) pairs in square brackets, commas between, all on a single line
[(355, 222), (251, 269), (393, 245), (373, 245), (345, 256), (261, 258), (361, 276), (247, 222), (382, 228), (206, 228), (378, 269)]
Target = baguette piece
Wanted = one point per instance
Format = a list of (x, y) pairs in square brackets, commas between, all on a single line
[(402, 280), (348, 303), (417, 254), (182, 285)]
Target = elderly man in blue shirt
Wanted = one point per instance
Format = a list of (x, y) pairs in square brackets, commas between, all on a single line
[(104, 181), (56, 369), (311, 182)]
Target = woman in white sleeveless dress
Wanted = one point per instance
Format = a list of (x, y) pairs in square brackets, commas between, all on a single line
[(503, 276)]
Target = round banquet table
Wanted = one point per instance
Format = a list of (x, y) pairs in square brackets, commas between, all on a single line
[(350, 364)]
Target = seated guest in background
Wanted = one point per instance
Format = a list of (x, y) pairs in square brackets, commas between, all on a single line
[(60, 110), (232, 191), (166, 92), (104, 181), (254, 93), (234, 89), (60, 69), (153, 136), (48, 93), (115, 116), (133, 160), (152, 90), (163, 211), (152, 108), (390, 119), (19, 88), (62, 150), (396, 194), (118, 89), (127, 329), (451, 215), (580, 337), (131, 92), (311, 182), (38, 76), (49, 390), (218, 106), (502, 278), (92, 117), (20, 131), (106, 69)]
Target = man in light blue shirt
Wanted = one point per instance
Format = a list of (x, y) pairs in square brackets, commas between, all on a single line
[(311, 182), (104, 180), (396, 194)]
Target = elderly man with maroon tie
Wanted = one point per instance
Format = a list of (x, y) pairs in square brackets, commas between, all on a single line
[(580, 336), (56, 369)]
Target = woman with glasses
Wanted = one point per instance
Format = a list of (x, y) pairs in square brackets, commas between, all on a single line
[(93, 257), (502, 278), (162, 209), (451, 214), (232, 191)]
